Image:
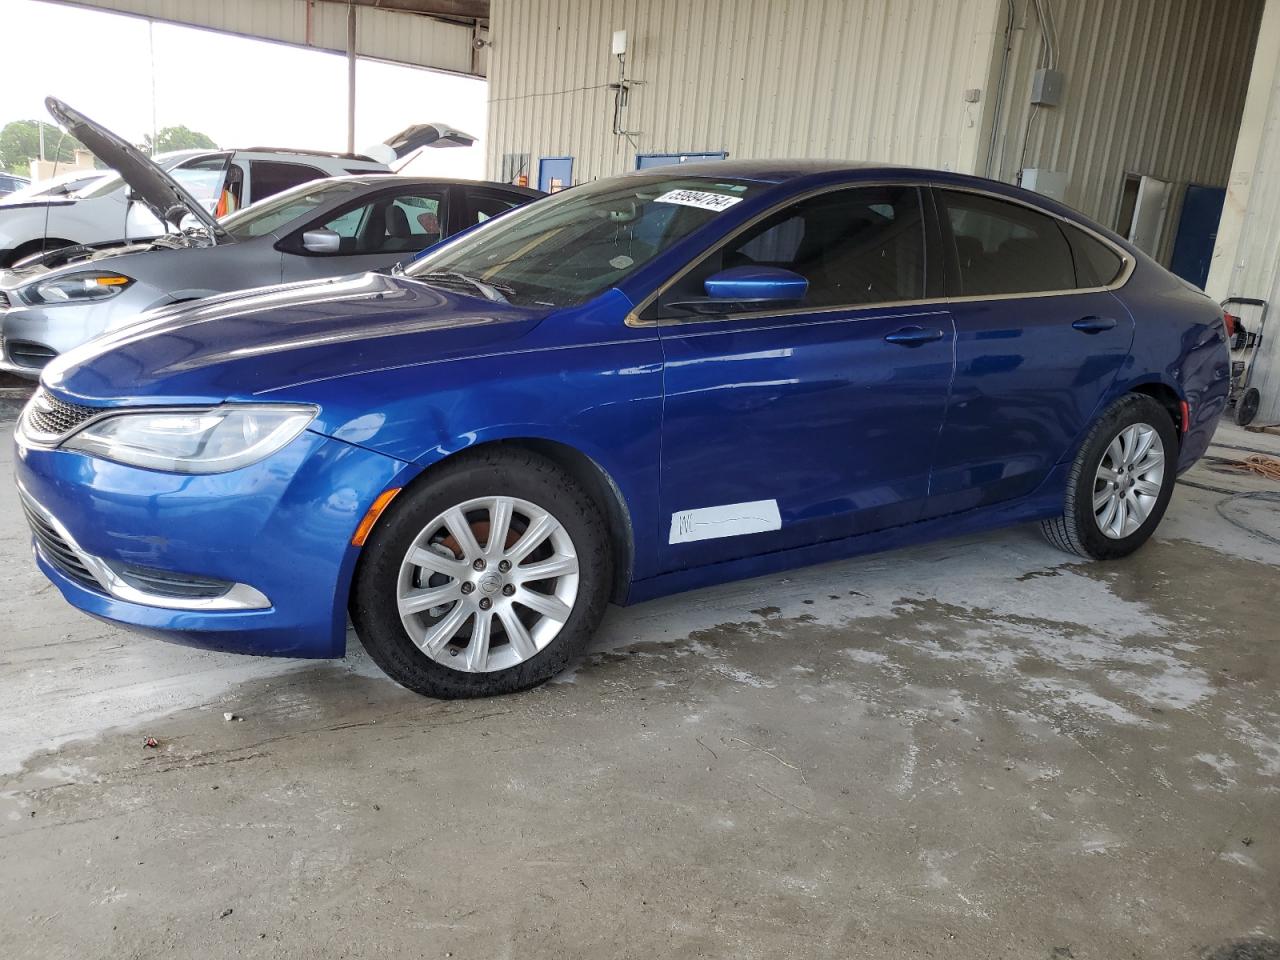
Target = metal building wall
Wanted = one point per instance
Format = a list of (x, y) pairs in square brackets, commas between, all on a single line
[(1153, 87), (1246, 261), (860, 79), (382, 34)]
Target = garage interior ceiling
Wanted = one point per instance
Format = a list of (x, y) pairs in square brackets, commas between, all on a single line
[(437, 34)]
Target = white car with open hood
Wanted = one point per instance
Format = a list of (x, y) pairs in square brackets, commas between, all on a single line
[(221, 180)]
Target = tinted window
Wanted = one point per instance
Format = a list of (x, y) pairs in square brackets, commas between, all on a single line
[(1006, 247), (396, 223), (862, 245), (1097, 265), (486, 205), (269, 177)]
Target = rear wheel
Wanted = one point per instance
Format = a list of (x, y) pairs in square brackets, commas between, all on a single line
[(487, 578), (1120, 482)]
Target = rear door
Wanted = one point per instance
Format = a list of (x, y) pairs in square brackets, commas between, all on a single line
[(787, 427), (374, 231), (1039, 340)]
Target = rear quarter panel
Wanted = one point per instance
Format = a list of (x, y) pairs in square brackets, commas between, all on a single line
[(1179, 342)]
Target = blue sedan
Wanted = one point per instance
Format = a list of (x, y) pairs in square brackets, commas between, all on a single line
[(643, 385)]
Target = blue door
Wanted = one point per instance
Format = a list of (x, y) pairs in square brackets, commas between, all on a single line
[(789, 426), (1033, 357), (555, 173), (1197, 233), (646, 160)]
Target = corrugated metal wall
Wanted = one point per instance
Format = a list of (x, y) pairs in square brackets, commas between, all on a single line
[(1247, 259), (381, 34), (1153, 87), (862, 79)]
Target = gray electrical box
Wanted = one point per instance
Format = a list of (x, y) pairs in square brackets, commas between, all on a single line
[(1046, 87)]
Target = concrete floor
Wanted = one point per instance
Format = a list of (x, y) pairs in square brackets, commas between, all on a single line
[(977, 748)]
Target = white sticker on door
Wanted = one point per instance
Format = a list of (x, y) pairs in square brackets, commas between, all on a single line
[(728, 520), (702, 199)]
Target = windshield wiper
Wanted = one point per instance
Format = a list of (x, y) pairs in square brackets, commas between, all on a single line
[(490, 291)]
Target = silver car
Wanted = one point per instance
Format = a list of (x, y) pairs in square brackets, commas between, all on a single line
[(325, 228)]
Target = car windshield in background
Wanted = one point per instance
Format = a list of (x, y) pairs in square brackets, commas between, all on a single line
[(572, 247), (267, 216)]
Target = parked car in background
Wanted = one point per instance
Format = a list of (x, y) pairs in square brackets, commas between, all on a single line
[(325, 228), (11, 182), (642, 385), (71, 183), (223, 181)]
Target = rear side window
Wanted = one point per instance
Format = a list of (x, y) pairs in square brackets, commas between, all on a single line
[(856, 246), (1006, 248), (269, 177), (487, 204), (1097, 265)]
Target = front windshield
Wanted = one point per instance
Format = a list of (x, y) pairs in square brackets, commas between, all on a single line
[(267, 216), (574, 246)]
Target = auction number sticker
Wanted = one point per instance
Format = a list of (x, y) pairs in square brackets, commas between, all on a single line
[(698, 198)]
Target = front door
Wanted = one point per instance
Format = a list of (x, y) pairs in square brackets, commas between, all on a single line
[(1039, 341), (786, 427)]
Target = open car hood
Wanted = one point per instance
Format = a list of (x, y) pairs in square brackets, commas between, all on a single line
[(150, 184)]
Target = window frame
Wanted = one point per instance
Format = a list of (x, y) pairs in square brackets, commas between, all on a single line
[(932, 251), (951, 257), (292, 242)]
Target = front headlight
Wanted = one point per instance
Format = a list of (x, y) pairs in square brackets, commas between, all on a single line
[(77, 288), (193, 441)]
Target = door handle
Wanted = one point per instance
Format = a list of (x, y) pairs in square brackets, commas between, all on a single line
[(1093, 324), (913, 336)]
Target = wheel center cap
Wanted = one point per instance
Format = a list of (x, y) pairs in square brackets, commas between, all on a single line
[(490, 583)]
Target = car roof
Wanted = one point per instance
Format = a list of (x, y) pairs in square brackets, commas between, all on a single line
[(780, 171), (374, 179)]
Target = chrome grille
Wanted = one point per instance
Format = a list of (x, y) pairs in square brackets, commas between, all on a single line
[(47, 417), (4, 300), (56, 550)]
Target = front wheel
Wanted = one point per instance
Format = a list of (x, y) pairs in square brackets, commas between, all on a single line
[(486, 578), (1120, 482)]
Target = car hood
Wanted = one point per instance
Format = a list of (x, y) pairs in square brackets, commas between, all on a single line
[(150, 183), (241, 345), (72, 257)]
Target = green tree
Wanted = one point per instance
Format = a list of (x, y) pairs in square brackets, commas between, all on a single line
[(178, 138), (20, 144)]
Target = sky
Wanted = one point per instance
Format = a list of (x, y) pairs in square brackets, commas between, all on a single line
[(240, 92)]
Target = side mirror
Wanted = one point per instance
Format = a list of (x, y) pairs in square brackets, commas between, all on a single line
[(323, 240), (746, 288), (175, 214)]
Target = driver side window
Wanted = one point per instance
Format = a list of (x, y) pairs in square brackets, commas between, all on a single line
[(392, 223), (857, 246)]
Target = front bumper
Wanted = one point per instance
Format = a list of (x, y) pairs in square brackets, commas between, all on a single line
[(33, 334), (277, 533)]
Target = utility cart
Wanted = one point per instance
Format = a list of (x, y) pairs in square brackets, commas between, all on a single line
[(1244, 340)]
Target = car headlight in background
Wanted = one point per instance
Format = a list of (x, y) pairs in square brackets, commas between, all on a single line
[(77, 288), (193, 441)]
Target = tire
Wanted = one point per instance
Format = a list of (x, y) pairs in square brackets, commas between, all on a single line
[(1247, 406), (414, 557), (1136, 494)]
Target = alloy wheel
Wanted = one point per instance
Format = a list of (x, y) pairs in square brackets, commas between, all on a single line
[(1128, 482), (488, 584)]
